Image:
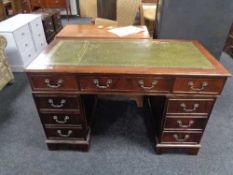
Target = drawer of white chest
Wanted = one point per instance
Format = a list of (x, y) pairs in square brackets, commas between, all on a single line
[(38, 34), (28, 56), (23, 38)]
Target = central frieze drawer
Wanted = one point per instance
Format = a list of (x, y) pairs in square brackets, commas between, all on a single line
[(53, 82), (65, 133), (199, 85), (136, 84), (185, 123), (57, 102), (61, 118), (181, 137), (190, 106)]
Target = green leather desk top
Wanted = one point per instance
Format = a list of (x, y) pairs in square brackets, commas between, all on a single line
[(126, 54)]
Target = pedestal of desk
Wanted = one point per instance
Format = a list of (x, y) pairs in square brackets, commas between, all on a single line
[(181, 122)]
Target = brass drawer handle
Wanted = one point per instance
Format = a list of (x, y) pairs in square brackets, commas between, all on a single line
[(186, 137), (66, 118), (57, 85), (203, 86), (195, 106), (96, 82), (180, 124), (64, 135), (62, 103), (142, 84)]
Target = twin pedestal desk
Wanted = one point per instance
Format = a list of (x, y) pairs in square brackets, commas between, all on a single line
[(180, 81)]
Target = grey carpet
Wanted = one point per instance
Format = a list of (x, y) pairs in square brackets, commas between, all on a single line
[(120, 143)]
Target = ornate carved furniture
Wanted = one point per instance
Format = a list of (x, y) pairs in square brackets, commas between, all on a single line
[(179, 79), (229, 43), (51, 20), (25, 37), (17, 6), (61, 4), (2, 11), (6, 75)]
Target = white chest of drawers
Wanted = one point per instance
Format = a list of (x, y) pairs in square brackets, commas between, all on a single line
[(25, 39)]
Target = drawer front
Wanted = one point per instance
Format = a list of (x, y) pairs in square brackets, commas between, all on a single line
[(38, 34), (185, 123), (57, 102), (62, 119), (90, 83), (53, 82), (181, 137), (149, 84), (190, 106), (23, 38), (65, 133), (56, 4), (199, 85), (28, 55)]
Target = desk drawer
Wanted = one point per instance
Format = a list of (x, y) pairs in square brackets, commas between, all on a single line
[(137, 84), (199, 85), (181, 137), (185, 123), (62, 118), (152, 84), (65, 133), (57, 102), (190, 106), (53, 82)]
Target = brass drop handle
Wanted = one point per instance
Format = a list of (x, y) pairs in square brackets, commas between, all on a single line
[(64, 135), (203, 86), (96, 82), (180, 124), (195, 106), (66, 118), (57, 85), (62, 103), (142, 84), (178, 139)]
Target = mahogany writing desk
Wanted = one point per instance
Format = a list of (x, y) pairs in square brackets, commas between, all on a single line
[(91, 32), (179, 79)]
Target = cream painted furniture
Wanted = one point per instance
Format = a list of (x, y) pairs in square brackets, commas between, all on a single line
[(88, 8), (25, 37), (6, 75), (126, 12)]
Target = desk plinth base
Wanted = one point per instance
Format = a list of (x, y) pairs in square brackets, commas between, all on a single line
[(161, 148), (81, 145)]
